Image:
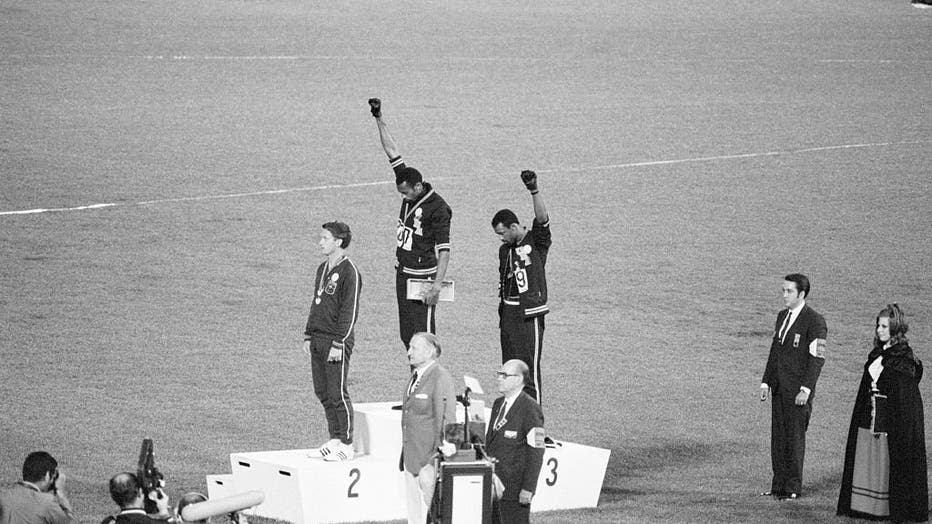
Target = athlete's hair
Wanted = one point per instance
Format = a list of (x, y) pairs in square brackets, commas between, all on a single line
[(431, 340), (801, 281), (408, 174), (505, 217), (340, 231), (124, 488), (37, 464), (898, 325)]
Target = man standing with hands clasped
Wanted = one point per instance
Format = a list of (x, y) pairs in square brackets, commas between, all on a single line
[(515, 439), (797, 354), (429, 404), (522, 287), (422, 238), (329, 336)]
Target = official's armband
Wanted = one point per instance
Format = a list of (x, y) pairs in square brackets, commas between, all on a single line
[(535, 438), (817, 348)]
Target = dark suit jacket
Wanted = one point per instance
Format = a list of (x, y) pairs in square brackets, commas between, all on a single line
[(790, 364), (518, 463), (423, 414), (134, 518)]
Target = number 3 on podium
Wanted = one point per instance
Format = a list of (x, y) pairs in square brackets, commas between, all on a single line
[(552, 464)]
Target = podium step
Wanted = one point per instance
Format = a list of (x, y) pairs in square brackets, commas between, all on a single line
[(305, 491), (370, 487), (220, 486)]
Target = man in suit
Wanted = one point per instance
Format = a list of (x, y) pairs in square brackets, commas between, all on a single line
[(429, 403), (126, 491), (515, 438), (797, 353)]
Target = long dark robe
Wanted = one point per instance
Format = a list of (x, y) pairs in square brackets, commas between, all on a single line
[(899, 380)]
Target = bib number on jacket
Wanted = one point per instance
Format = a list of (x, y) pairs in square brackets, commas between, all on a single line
[(521, 279), (404, 237)]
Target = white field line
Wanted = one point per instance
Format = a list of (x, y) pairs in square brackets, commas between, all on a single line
[(555, 170), (451, 58), (268, 58), (733, 157)]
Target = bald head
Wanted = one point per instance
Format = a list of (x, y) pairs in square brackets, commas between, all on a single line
[(512, 376), (126, 490), (517, 366)]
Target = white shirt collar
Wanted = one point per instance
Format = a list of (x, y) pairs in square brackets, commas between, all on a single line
[(30, 485), (510, 400), (423, 367)]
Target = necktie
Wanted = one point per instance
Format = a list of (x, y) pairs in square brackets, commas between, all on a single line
[(501, 416), (786, 326), (413, 383)]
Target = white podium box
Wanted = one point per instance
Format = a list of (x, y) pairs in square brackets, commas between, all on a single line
[(377, 429), (571, 477), (304, 490), (220, 486)]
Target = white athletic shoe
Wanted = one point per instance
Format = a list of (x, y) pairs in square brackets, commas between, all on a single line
[(324, 450), (340, 453)]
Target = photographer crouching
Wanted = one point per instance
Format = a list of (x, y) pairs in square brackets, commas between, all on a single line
[(40, 498)]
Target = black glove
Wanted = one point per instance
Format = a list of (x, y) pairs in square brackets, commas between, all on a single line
[(376, 106), (530, 180)]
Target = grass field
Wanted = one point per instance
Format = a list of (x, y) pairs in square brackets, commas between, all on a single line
[(691, 154)]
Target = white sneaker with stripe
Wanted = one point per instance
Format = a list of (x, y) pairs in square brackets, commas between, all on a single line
[(324, 450), (340, 453)]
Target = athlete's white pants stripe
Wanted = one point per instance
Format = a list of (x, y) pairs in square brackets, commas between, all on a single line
[(537, 357), (346, 408)]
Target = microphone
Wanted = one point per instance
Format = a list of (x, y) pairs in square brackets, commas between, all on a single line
[(210, 508)]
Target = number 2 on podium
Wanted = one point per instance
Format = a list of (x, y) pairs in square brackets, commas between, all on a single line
[(354, 474)]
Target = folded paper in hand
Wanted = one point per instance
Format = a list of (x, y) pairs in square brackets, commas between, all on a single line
[(418, 287)]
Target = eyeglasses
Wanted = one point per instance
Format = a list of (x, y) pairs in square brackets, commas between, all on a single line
[(502, 374)]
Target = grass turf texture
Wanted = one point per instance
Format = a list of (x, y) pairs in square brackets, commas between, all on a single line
[(181, 320)]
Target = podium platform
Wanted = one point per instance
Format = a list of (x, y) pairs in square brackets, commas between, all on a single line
[(371, 488)]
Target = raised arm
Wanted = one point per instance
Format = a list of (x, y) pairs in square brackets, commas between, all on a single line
[(530, 182), (388, 143)]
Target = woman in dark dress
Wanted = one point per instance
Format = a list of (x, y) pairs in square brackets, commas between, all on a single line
[(885, 459)]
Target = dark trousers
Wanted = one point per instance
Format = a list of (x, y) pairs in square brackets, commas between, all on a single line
[(523, 339), (788, 426), (330, 387), (414, 316), (510, 512)]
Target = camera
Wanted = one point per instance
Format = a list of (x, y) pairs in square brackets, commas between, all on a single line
[(149, 476)]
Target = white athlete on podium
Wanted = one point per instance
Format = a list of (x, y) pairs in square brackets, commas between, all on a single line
[(329, 336)]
